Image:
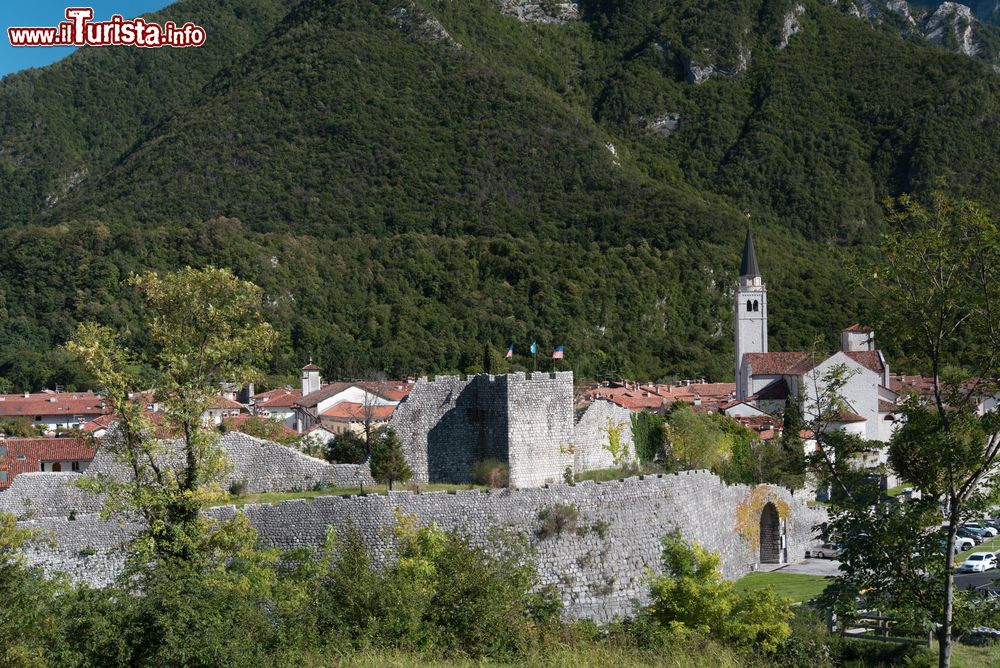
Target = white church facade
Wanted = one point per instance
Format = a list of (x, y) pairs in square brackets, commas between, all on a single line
[(766, 379)]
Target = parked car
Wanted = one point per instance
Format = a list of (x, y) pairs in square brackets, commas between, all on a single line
[(962, 544), (827, 551), (978, 562), (974, 534), (985, 528)]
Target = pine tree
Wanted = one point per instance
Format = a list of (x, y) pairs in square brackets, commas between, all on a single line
[(388, 463)]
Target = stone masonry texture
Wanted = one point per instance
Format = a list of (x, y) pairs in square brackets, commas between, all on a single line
[(263, 466), (448, 424), (591, 436), (599, 569)]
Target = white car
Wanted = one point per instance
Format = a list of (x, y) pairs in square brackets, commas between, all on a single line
[(985, 528), (977, 562), (962, 543)]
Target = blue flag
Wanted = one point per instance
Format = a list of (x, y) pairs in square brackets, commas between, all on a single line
[(534, 347)]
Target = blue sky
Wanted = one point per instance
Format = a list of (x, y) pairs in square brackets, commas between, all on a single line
[(49, 13)]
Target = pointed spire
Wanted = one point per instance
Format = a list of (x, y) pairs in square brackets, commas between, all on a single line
[(749, 265)]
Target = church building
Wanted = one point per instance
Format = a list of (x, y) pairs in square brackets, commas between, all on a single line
[(766, 379)]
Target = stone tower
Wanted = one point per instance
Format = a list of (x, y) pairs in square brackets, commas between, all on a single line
[(750, 302)]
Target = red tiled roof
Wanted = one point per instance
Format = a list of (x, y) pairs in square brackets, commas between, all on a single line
[(796, 364), (223, 402), (310, 367), (391, 390), (867, 358), (780, 364), (100, 422), (325, 392), (52, 403), (634, 403), (25, 455), (922, 385), (886, 406), (856, 328), (349, 411), (283, 397)]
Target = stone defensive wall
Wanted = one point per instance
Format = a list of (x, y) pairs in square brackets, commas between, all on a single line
[(592, 434), (259, 465), (600, 566)]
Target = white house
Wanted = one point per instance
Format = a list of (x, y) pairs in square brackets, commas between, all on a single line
[(318, 401), (55, 411)]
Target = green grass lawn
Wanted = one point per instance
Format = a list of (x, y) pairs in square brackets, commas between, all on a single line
[(277, 497), (798, 587)]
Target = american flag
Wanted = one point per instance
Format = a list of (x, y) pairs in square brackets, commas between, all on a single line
[(510, 351), (557, 354)]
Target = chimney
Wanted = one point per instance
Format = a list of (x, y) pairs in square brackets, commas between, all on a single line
[(27, 395)]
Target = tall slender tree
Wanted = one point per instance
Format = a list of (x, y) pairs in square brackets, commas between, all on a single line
[(207, 329), (937, 280)]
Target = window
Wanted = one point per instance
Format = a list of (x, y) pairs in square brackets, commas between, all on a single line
[(756, 306), (38, 418), (21, 458), (76, 466), (749, 306), (3, 476)]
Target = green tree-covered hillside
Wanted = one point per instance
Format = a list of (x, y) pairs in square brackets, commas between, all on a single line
[(415, 183)]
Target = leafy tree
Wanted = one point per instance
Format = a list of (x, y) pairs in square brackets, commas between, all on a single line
[(648, 434), (388, 463), (938, 276), (268, 429), (696, 440), (206, 328), (347, 447)]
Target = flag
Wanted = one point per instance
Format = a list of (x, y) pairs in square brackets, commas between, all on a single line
[(534, 347), (510, 351), (557, 354)]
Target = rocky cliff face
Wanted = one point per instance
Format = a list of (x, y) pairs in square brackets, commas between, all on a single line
[(543, 11), (961, 28), (953, 25)]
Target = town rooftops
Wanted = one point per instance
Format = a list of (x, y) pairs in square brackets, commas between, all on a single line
[(350, 411), (25, 455), (799, 363), (219, 401), (325, 392), (51, 403), (283, 397)]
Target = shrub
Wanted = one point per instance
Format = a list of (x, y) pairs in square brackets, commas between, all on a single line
[(692, 595), (556, 519), (442, 594), (238, 487), (491, 472)]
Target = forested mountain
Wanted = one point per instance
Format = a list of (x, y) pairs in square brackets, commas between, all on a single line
[(417, 183)]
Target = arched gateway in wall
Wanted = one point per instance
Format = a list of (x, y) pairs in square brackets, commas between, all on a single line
[(770, 535)]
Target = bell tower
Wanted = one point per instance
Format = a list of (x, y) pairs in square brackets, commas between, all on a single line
[(750, 304)]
